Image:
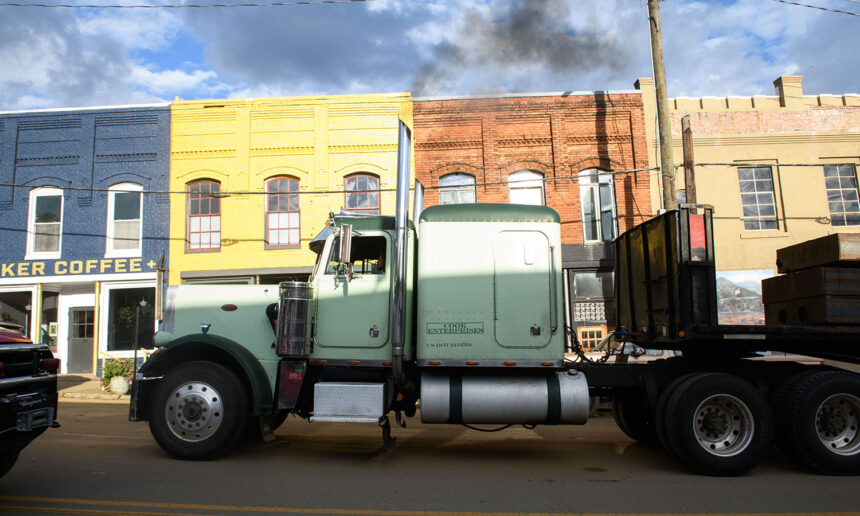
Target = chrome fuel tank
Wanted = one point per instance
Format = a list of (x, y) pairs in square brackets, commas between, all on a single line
[(558, 398)]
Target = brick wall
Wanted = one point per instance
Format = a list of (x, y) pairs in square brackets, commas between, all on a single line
[(556, 135)]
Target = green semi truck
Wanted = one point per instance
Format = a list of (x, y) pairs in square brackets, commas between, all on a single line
[(459, 314)]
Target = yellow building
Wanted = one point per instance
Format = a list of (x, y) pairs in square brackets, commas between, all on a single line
[(260, 177), (778, 170)]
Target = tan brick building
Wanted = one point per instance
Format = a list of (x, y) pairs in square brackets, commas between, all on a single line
[(778, 170), (569, 151)]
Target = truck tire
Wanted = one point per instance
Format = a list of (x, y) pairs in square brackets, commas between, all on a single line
[(660, 410), (636, 419), (198, 411), (822, 419), (780, 399), (7, 460), (718, 424)]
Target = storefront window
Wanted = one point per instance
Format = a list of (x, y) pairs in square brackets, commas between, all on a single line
[(15, 308), (48, 330), (125, 305)]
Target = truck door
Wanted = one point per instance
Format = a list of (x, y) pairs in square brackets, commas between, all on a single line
[(523, 294), (353, 312)]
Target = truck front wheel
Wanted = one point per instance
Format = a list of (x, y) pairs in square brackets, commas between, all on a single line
[(718, 424), (198, 411)]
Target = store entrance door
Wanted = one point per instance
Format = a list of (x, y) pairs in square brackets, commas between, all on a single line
[(81, 326)]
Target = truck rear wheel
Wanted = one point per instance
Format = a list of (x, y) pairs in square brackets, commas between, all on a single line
[(660, 411), (636, 419), (198, 411), (822, 422), (718, 424)]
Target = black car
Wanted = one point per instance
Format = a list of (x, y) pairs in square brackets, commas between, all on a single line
[(28, 393)]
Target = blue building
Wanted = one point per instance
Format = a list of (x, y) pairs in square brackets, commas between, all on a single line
[(84, 226)]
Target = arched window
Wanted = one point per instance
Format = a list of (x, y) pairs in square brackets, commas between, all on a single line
[(125, 213), (362, 193), (526, 187), (204, 216), (597, 198), (45, 223), (456, 188), (282, 212)]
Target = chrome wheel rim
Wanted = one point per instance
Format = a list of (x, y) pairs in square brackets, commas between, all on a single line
[(836, 422), (723, 425), (194, 411)]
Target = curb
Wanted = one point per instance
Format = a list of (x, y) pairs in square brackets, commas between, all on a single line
[(80, 395)]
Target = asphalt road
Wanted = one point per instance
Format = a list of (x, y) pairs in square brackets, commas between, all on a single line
[(99, 463)]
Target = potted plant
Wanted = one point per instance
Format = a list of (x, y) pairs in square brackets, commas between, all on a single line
[(116, 374)]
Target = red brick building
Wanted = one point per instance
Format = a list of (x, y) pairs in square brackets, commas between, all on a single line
[(570, 152)]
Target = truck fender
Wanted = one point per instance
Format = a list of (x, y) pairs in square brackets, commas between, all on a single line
[(216, 349)]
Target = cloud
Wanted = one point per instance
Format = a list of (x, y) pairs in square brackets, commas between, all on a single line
[(61, 57)]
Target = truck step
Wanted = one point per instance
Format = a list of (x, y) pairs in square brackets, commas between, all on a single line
[(349, 402)]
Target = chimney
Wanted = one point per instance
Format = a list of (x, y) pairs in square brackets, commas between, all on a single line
[(790, 91)]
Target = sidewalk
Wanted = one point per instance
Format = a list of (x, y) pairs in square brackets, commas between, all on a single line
[(85, 387)]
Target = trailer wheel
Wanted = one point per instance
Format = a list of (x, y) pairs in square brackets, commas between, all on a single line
[(823, 418), (718, 424), (636, 419), (199, 411)]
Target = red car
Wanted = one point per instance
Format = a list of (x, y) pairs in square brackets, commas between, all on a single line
[(28, 392)]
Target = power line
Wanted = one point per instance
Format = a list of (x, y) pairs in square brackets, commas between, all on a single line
[(317, 192), (817, 7), (182, 6)]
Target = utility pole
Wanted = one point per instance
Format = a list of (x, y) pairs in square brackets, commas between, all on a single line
[(667, 162), (689, 170)]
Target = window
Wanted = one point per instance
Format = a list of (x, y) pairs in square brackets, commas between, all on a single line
[(282, 212), (757, 200), (362, 194), (841, 184), (526, 187), (204, 216), (130, 309), (456, 188), (597, 200), (125, 212), (590, 336), (45, 223), (367, 255)]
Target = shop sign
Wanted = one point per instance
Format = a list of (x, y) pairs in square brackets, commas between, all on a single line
[(30, 269)]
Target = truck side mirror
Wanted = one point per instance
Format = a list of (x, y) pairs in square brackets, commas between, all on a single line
[(345, 242)]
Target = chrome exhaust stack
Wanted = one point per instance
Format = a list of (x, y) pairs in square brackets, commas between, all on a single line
[(398, 310)]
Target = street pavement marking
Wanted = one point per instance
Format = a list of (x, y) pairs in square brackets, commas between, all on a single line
[(69, 510), (295, 510)]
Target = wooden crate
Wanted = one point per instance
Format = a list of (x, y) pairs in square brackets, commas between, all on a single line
[(818, 281), (841, 249)]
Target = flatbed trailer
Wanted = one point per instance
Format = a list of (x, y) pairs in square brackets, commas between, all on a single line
[(665, 298)]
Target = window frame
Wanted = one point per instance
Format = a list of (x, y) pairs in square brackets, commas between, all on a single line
[(110, 252), (596, 178), (188, 215), (842, 190), (759, 218), (367, 211), (521, 183), (458, 188), (31, 252), (267, 212)]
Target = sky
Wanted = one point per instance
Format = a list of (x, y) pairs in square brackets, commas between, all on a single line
[(60, 57)]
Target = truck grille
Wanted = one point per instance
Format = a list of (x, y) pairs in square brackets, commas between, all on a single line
[(21, 359)]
